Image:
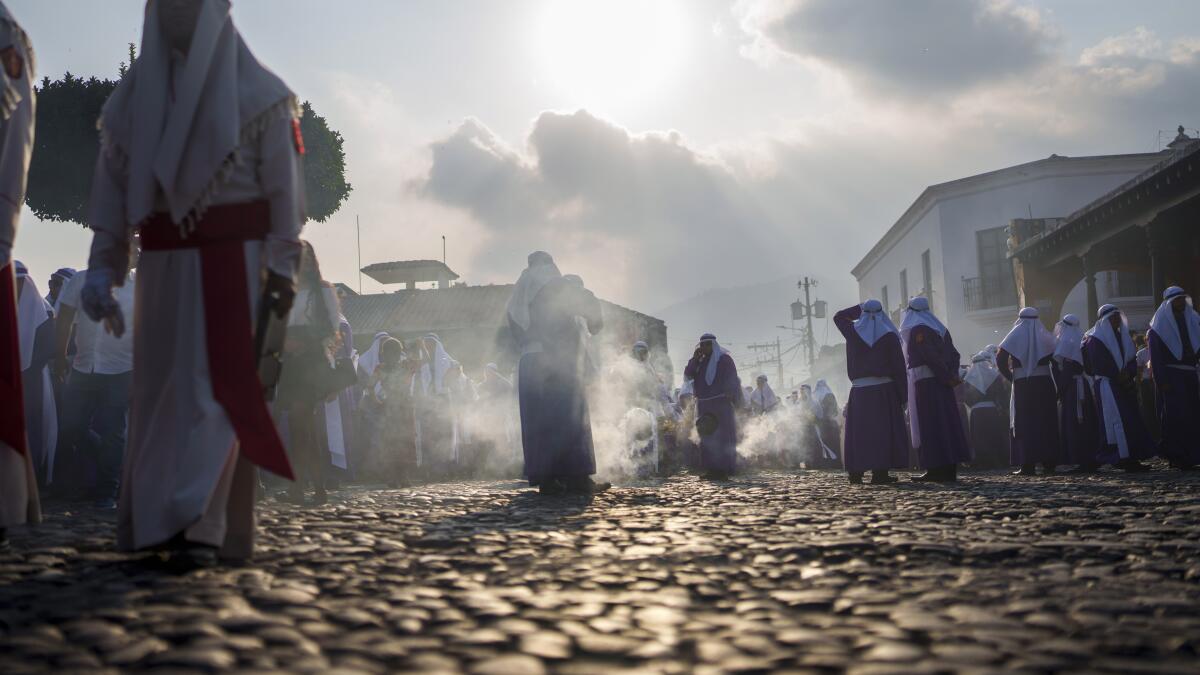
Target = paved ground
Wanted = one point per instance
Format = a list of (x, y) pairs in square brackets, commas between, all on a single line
[(767, 572)]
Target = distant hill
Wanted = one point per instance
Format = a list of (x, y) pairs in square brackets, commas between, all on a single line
[(746, 314)]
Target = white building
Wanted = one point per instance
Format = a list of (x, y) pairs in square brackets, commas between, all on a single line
[(952, 244)]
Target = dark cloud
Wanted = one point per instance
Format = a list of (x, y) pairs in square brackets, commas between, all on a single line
[(915, 47), (641, 214)]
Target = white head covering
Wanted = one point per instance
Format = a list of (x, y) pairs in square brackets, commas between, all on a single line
[(873, 323), (184, 139), (710, 372), (1068, 340), (982, 372), (32, 312), (1029, 341), (918, 314), (540, 272), (440, 362), (821, 391), (764, 396), (16, 91), (1103, 332), (369, 361), (1166, 328)]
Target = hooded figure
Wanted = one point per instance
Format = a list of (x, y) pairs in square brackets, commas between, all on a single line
[(876, 437), (1077, 405), (437, 423), (556, 427), (58, 280), (719, 395), (984, 396), (935, 423), (201, 154), (1109, 358), (1174, 338), (18, 489), (1024, 359), (37, 336), (763, 400)]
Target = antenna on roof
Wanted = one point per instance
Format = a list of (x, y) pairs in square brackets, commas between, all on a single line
[(444, 250), (358, 234)]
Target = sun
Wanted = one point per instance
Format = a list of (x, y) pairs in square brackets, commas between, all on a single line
[(606, 54)]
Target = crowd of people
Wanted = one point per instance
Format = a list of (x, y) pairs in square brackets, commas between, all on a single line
[(201, 356), (1039, 399)]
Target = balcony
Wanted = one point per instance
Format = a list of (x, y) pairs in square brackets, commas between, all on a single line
[(979, 296)]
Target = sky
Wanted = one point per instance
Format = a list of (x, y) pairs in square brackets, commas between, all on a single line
[(661, 148)]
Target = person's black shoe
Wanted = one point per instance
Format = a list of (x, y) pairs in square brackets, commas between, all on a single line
[(882, 478), (4, 539), (192, 556), (1025, 470), (930, 476), (551, 488), (1132, 466), (106, 504), (856, 477)]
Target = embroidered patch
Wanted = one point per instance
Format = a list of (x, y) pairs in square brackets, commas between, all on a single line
[(297, 137), (14, 65)]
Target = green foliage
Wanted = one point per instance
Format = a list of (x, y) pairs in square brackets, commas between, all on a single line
[(324, 166), (66, 144)]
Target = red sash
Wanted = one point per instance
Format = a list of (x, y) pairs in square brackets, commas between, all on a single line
[(228, 335), (12, 397)]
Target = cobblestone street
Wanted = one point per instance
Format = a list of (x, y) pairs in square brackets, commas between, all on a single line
[(769, 572)]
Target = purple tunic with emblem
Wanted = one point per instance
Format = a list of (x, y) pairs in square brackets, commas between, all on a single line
[(1035, 424), (718, 450), (942, 439), (1077, 413), (876, 436), (1098, 362), (1177, 397)]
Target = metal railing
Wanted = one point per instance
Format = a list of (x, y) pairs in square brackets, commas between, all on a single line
[(978, 295)]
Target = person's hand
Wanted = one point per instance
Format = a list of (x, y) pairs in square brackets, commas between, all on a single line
[(60, 366), (281, 293), (98, 302), (698, 354)]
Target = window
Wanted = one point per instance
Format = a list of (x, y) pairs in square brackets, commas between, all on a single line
[(927, 277), (883, 299), (904, 286), (995, 271)]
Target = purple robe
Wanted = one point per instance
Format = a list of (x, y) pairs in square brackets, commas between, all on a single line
[(1098, 363), (1077, 413), (718, 450), (556, 426), (1177, 398), (876, 438), (942, 439), (1035, 436), (988, 425)]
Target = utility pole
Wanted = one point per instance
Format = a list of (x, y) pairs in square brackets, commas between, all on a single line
[(806, 309), (779, 361), (358, 234)]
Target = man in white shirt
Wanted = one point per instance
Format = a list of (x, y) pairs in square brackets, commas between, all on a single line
[(96, 395)]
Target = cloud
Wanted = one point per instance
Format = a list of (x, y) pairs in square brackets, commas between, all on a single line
[(640, 215), (915, 48)]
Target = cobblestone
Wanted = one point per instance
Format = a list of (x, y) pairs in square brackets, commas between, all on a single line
[(769, 572)]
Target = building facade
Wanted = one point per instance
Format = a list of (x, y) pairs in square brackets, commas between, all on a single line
[(951, 245)]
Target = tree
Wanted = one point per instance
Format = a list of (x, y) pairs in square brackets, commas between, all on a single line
[(67, 143), (325, 183)]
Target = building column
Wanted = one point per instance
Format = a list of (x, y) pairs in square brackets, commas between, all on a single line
[(1089, 278), (1158, 268)]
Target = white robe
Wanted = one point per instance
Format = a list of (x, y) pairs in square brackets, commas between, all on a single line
[(18, 488), (181, 469)]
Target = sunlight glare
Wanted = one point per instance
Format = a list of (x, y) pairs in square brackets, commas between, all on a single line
[(610, 53)]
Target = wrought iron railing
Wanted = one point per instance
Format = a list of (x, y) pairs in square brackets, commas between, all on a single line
[(978, 295)]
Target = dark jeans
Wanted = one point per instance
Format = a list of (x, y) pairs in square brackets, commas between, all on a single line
[(94, 420)]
